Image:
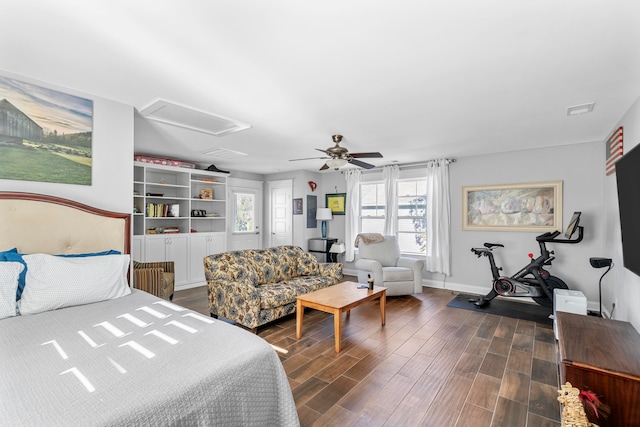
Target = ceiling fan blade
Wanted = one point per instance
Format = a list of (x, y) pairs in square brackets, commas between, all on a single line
[(309, 158), (324, 167), (369, 155), (324, 151), (361, 164)]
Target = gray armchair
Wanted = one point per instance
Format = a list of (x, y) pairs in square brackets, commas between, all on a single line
[(382, 260)]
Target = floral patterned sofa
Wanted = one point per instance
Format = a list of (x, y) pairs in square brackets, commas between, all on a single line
[(256, 286)]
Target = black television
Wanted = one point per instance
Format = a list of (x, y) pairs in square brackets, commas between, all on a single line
[(628, 180)]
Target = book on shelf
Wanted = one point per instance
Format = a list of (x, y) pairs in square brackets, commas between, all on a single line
[(158, 210)]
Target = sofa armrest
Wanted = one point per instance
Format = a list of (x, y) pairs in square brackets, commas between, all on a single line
[(331, 269), (235, 301)]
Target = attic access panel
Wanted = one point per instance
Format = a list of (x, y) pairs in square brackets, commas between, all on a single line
[(185, 117)]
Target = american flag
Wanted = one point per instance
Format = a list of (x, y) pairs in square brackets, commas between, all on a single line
[(614, 151)]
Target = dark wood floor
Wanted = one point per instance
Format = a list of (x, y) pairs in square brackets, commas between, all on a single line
[(430, 365)]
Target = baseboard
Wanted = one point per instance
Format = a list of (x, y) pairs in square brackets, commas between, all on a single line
[(458, 287), (190, 286), (350, 272)]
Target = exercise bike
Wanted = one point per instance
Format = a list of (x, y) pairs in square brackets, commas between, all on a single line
[(532, 280)]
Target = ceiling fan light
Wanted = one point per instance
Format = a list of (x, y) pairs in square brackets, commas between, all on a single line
[(336, 163)]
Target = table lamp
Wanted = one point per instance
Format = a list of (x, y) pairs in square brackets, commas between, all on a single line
[(324, 215), (338, 248)]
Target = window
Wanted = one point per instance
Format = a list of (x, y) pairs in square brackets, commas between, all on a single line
[(412, 206), (244, 215), (412, 219), (372, 203)]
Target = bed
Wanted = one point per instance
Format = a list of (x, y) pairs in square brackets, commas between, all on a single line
[(85, 349)]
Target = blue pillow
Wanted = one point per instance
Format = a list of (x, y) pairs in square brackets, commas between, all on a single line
[(13, 255)]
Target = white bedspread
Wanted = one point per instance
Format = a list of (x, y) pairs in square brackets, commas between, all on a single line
[(138, 360)]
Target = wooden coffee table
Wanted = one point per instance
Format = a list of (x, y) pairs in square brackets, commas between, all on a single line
[(337, 299)]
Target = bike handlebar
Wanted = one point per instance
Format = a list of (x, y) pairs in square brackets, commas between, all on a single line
[(551, 237), (548, 236)]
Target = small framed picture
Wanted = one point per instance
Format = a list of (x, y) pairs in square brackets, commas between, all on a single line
[(297, 206), (206, 193), (336, 202)]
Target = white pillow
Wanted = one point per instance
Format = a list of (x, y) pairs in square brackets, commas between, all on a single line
[(54, 282), (9, 272)]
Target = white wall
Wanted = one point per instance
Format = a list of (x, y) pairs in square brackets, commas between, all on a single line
[(112, 157), (580, 167), (620, 285)]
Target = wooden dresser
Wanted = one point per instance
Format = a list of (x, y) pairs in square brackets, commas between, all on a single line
[(602, 355)]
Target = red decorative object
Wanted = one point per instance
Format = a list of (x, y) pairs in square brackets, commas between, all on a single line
[(313, 185)]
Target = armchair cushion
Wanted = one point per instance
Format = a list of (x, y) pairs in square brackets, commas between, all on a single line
[(397, 274)]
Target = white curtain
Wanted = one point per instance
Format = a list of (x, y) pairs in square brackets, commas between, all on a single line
[(353, 178), (390, 175), (438, 251)]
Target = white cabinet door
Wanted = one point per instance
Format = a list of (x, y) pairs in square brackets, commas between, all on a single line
[(179, 253), (170, 248), (203, 244), (137, 248)]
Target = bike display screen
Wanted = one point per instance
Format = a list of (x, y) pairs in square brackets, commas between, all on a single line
[(573, 225)]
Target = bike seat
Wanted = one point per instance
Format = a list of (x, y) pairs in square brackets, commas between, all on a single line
[(491, 245)]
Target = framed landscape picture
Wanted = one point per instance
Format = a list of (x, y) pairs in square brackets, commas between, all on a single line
[(535, 206), (45, 135)]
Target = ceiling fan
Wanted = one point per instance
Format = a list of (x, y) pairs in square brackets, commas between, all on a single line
[(340, 156)]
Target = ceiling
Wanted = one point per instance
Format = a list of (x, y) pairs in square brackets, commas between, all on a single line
[(414, 80)]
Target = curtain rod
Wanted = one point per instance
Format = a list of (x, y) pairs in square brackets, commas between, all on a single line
[(407, 165)]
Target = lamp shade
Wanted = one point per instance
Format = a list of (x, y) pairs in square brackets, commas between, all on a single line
[(323, 214), (338, 248)]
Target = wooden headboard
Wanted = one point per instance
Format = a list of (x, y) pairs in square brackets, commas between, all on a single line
[(36, 223)]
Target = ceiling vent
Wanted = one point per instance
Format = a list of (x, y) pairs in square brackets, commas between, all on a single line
[(178, 115), (580, 109), (223, 153)]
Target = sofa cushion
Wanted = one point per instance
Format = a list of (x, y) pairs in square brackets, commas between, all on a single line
[(276, 294), (307, 265), (232, 266), (274, 264), (310, 283)]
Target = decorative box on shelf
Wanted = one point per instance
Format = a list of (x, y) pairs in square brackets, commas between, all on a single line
[(163, 161)]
